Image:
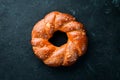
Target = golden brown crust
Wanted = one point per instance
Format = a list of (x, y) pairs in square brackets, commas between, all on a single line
[(66, 54)]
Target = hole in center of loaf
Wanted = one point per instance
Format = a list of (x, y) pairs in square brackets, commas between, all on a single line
[(59, 38)]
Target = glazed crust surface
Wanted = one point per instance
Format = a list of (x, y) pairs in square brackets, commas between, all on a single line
[(68, 53)]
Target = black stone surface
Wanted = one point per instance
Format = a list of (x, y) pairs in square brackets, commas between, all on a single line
[(58, 38), (101, 19)]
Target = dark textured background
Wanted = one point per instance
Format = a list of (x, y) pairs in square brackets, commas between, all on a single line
[(102, 22)]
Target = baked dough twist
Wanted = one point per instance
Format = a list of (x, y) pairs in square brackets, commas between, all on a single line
[(66, 54)]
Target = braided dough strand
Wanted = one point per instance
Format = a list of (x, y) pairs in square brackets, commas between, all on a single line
[(66, 54)]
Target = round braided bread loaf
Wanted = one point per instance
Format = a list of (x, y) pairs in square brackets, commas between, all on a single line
[(66, 54)]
